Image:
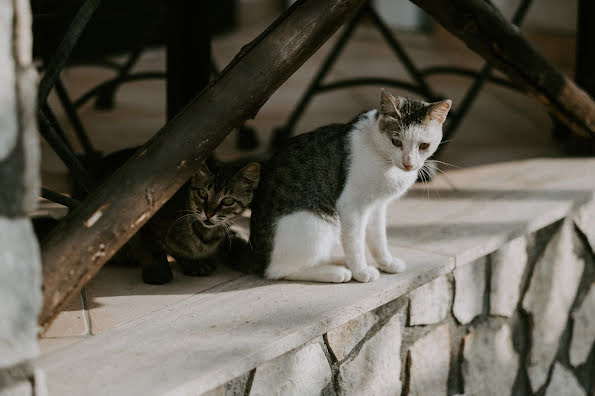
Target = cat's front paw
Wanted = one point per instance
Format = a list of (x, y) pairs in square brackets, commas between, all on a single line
[(368, 274), (392, 265), (340, 275)]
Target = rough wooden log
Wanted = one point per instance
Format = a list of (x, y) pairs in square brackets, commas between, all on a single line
[(482, 27), (91, 234)]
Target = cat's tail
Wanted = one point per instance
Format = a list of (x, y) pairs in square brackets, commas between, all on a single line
[(244, 259)]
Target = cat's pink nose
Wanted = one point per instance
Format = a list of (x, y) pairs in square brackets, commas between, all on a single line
[(408, 167)]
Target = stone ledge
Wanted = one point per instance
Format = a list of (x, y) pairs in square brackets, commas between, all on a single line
[(202, 342), (207, 339)]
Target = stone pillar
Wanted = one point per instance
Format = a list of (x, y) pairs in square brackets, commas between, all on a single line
[(20, 268)]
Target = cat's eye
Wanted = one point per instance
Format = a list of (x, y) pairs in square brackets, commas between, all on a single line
[(397, 142), (424, 146), (228, 201), (202, 193)]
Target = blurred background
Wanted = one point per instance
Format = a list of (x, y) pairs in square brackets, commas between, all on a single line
[(501, 124)]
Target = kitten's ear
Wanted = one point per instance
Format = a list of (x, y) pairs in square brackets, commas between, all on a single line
[(389, 104), (201, 174), (250, 174), (439, 110)]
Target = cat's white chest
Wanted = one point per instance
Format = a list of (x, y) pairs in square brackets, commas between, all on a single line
[(397, 182)]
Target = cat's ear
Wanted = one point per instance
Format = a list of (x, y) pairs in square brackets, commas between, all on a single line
[(202, 174), (439, 110), (250, 175), (389, 104)]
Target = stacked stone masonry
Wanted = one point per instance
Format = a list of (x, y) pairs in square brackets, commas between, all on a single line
[(520, 321), (20, 265)]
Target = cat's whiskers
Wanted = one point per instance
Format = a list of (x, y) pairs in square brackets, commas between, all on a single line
[(442, 162), (427, 180), (446, 176), (227, 231), (191, 215), (422, 177), (429, 169)]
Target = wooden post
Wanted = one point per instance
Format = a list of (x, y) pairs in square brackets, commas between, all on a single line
[(74, 252), (188, 52), (483, 28)]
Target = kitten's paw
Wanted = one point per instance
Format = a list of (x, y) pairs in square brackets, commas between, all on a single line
[(368, 274), (393, 266), (340, 275)]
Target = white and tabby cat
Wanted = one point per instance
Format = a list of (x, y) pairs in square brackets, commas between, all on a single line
[(333, 185)]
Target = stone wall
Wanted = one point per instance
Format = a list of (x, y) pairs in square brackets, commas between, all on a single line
[(520, 321), (20, 268)]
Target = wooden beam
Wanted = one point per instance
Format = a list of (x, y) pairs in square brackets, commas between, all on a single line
[(482, 27), (74, 252)]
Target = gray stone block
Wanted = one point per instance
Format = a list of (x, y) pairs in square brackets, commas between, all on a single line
[(508, 266), (470, 284), (22, 388), (548, 300), (376, 369), (429, 363), (563, 383), (20, 291), (342, 339), (585, 221), (583, 330), (490, 363), (304, 371), (430, 303)]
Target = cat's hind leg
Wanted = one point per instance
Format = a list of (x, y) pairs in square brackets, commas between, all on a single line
[(302, 249)]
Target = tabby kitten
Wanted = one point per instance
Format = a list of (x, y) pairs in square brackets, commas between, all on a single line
[(333, 185), (196, 226)]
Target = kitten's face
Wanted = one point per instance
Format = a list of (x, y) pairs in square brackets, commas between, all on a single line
[(412, 129), (217, 197)]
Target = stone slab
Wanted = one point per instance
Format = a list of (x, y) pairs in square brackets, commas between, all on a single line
[(118, 295), (507, 268), (205, 340), (304, 371), (47, 345), (70, 322), (342, 339), (490, 363), (22, 388), (376, 369), (548, 300), (563, 383), (20, 291), (470, 285), (430, 303), (429, 359), (487, 206), (583, 329)]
